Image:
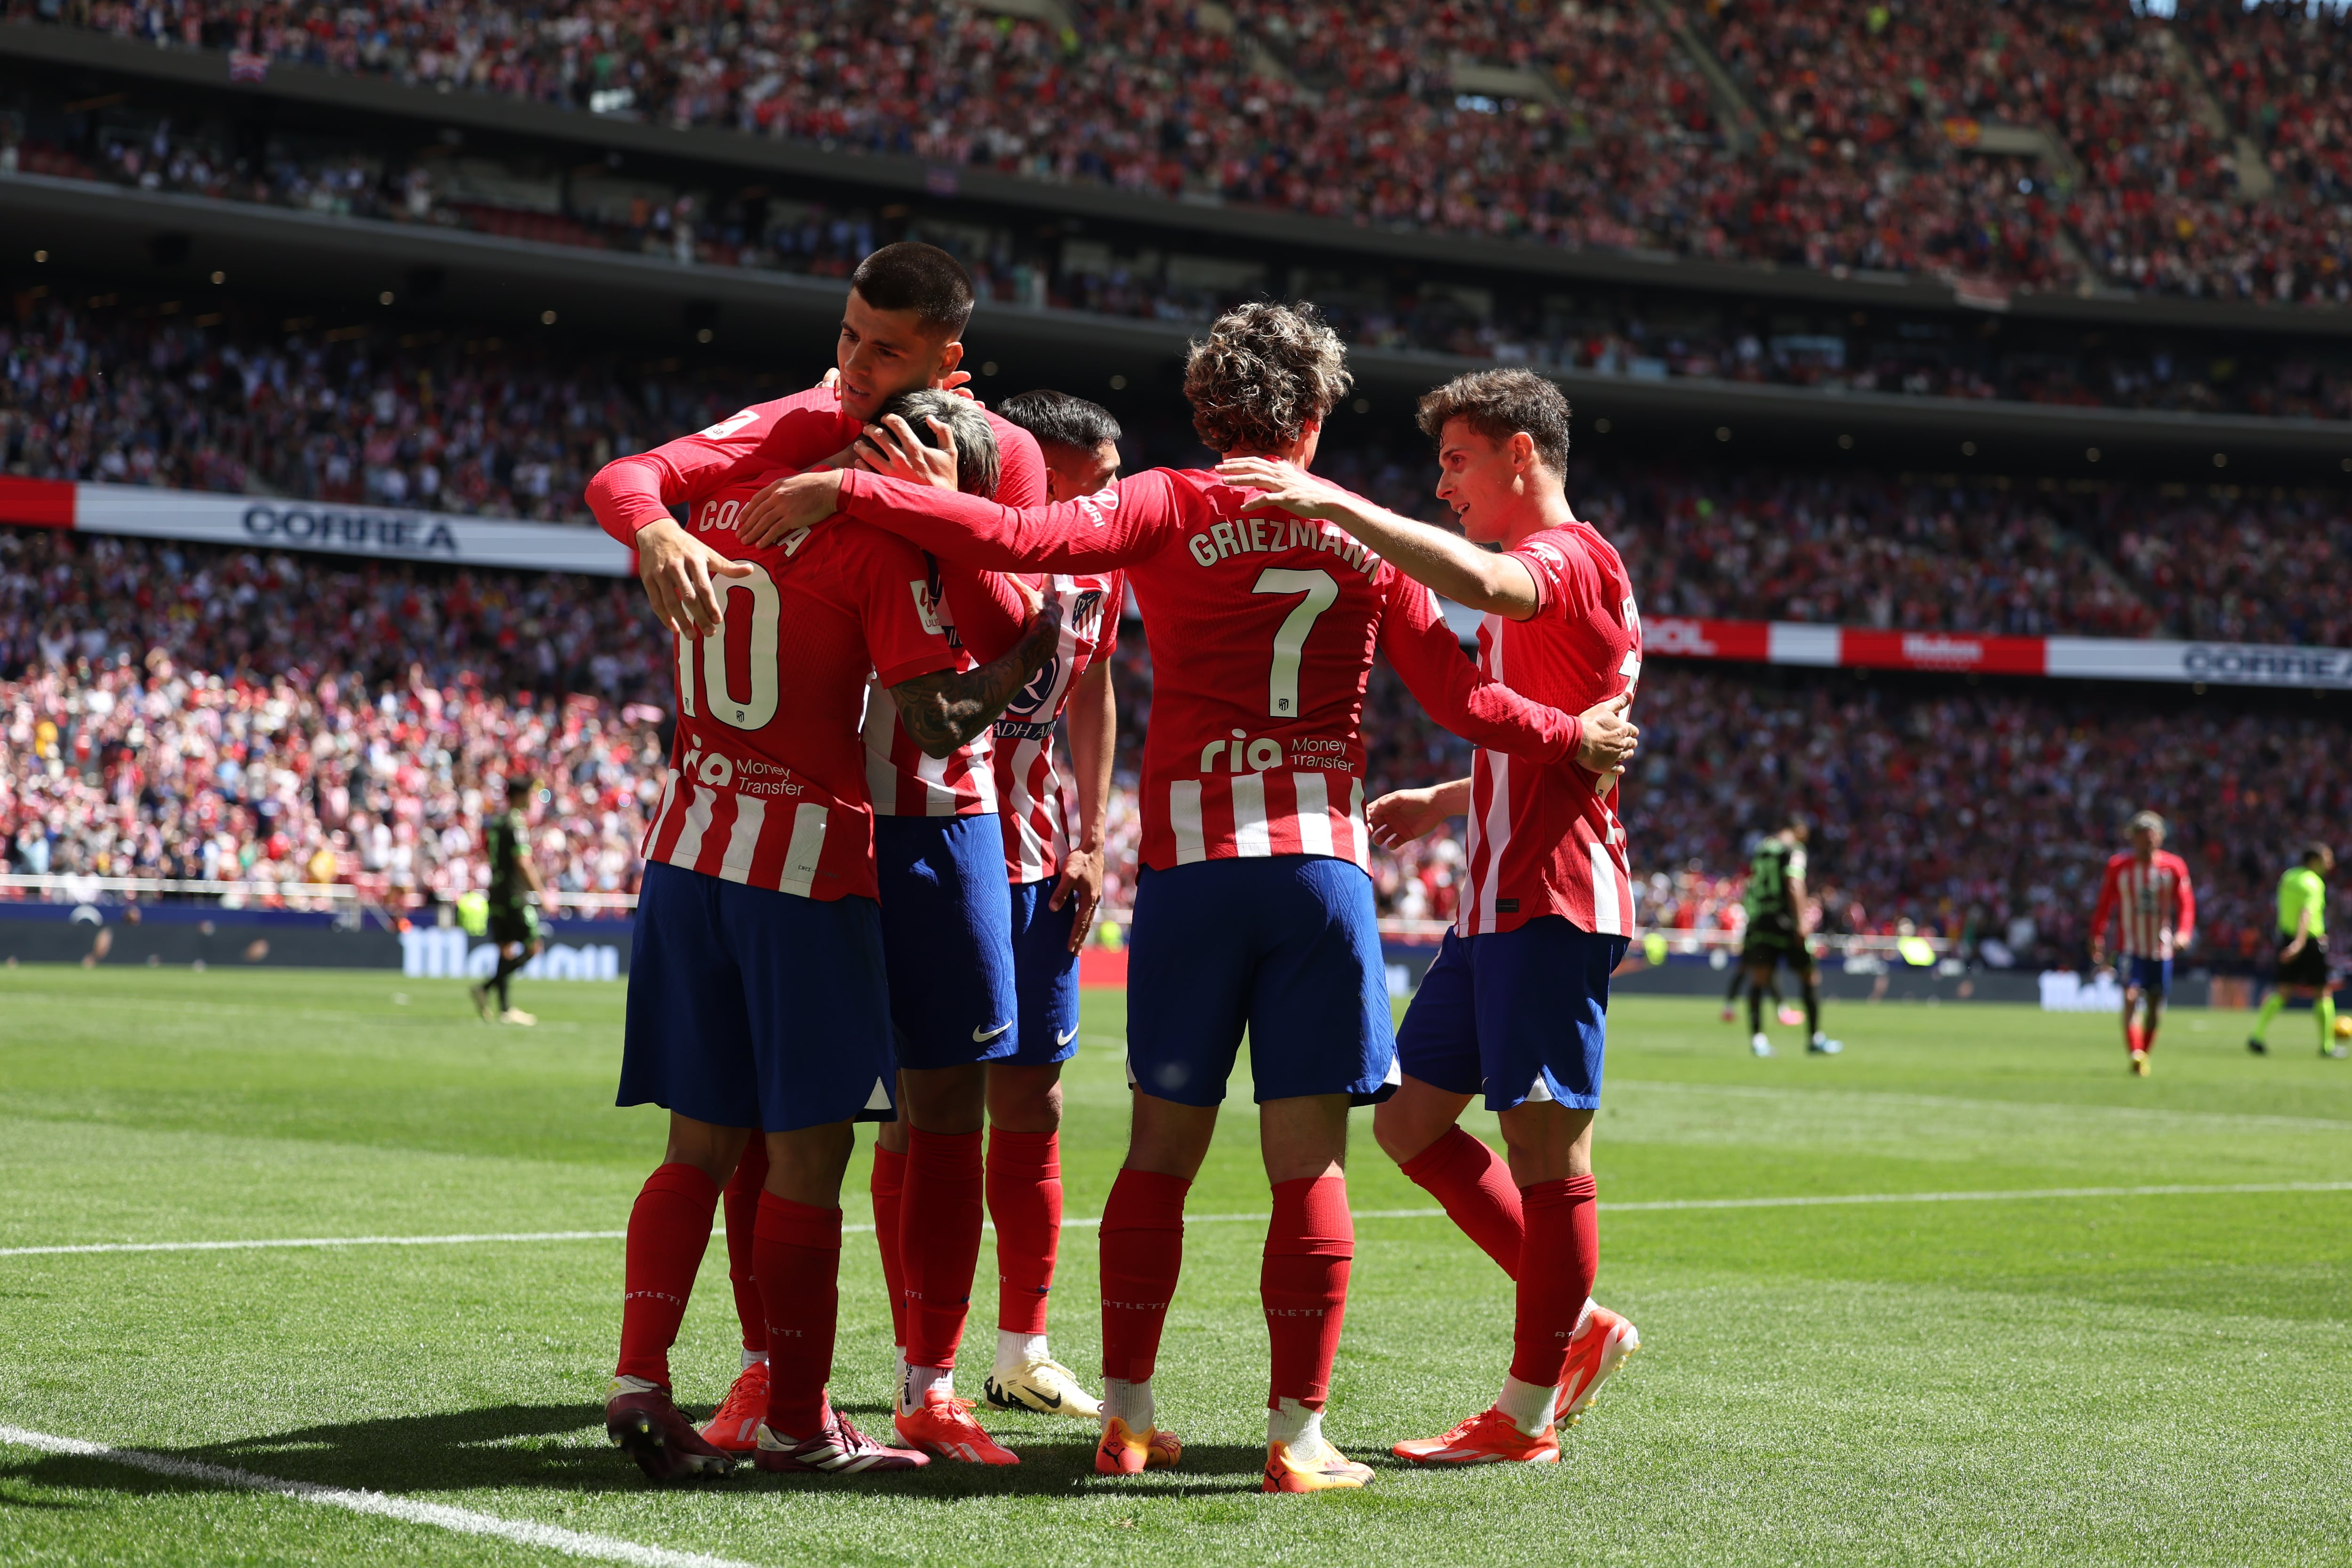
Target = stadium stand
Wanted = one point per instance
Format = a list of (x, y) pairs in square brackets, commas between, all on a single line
[(186, 711), (2039, 147)]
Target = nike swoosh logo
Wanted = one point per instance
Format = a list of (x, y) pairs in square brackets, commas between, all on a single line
[(982, 1036), (1061, 1039), (1052, 1403)]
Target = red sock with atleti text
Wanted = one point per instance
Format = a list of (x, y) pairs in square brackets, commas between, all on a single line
[(1024, 1199), (799, 1268), (1556, 1270), (1476, 1188), (669, 1228), (741, 1203), (1309, 1244), (1142, 1245), (888, 1189), (938, 1238)]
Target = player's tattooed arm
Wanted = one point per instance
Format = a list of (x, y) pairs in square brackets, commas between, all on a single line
[(945, 711)]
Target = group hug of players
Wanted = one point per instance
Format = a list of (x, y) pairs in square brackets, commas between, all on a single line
[(863, 899)]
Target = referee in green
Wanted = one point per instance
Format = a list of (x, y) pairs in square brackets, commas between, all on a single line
[(2302, 951)]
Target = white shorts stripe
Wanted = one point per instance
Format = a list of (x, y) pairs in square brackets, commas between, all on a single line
[(699, 802), (1251, 838), (806, 847), (1313, 813), (1185, 821), (1608, 914), (744, 840)]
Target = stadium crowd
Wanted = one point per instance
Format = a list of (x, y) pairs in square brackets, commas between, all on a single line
[(224, 402), (1857, 143), (188, 712)]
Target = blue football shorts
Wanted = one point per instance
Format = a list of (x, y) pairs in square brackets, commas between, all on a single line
[(1044, 975), (1516, 1015), (946, 938), (1286, 948), (2152, 975), (750, 1008)]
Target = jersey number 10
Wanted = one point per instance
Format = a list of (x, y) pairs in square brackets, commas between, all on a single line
[(757, 706)]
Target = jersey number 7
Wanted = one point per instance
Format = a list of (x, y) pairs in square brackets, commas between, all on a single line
[(1290, 637)]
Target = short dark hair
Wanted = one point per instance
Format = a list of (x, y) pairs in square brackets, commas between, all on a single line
[(978, 466), (2317, 851), (1057, 419), (1264, 372), (923, 279), (1795, 822), (1499, 404)]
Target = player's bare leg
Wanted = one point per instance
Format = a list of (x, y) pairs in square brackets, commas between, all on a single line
[(669, 1228), (1025, 1201), (943, 1110)]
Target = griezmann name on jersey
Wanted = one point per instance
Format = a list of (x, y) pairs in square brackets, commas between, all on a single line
[(1263, 629), (1544, 837), (767, 779)]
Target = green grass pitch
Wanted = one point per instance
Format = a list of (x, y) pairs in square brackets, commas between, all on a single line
[(2147, 1379)]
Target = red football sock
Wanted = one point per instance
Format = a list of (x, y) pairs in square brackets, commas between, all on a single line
[(888, 1189), (1476, 1188), (1024, 1199), (2132, 1038), (1142, 1242), (670, 1228), (1309, 1244), (799, 1272), (742, 1205), (1563, 1249), (939, 1236)]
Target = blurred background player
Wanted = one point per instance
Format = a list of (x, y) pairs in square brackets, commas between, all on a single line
[(2302, 939), (758, 1010), (2147, 890), (1516, 1006), (1779, 920), (516, 892), (946, 933), (1254, 910)]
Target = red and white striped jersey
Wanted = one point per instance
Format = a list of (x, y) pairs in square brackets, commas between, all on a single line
[(2153, 900), (797, 433), (767, 777), (1542, 840), (901, 779), (1029, 792), (1263, 629)]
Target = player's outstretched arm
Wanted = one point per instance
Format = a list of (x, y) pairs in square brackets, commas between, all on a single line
[(945, 711), (1117, 526), (1401, 816), (1486, 582), (1486, 712)]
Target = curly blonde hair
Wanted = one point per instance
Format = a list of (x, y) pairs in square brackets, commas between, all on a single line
[(1265, 372)]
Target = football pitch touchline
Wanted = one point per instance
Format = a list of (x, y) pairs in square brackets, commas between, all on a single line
[(464, 1520), (1654, 1205)]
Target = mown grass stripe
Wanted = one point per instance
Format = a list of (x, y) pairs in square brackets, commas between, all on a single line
[(440, 1516)]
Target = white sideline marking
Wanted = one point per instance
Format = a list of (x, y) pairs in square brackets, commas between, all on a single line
[(1654, 1205), (320, 1241), (464, 1520)]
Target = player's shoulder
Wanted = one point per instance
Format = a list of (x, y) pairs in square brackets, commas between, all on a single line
[(2172, 862), (2120, 859)]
